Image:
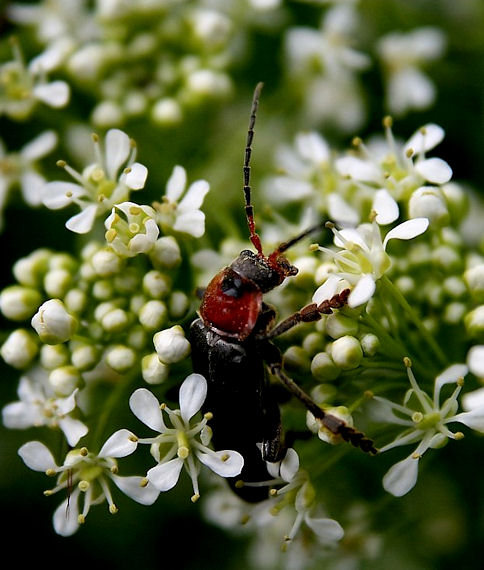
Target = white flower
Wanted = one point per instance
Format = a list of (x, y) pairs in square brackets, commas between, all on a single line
[(101, 185), (19, 168), (399, 168), (38, 406), (25, 86), (53, 323), (184, 444), (362, 258), (299, 492), (403, 54), (425, 420), (131, 229), (86, 477), (185, 215)]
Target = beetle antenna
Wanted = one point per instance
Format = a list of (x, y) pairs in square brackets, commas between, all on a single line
[(249, 210), (287, 244)]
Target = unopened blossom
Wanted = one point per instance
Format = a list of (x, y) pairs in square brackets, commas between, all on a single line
[(185, 443), (182, 214), (103, 184), (53, 323), (87, 476), (171, 345), (38, 405), (362, 259), (403, 56), (131, 229), (20, 348), (23, 86), (425, 420)]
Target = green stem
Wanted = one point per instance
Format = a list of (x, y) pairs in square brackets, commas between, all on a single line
[(414, 318)]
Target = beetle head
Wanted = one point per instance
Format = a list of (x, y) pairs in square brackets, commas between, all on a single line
[(266, 272)]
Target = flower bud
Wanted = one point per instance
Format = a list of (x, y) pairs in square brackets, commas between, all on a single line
[(338, 325), (115, 320), (57, 282), (346, 352), (178, 305), (84, 356), (474, 277), (19, 349), (65, 380), (153, 314), (323, 368), (53, 323), (428, 202), (30, 270), (106, 262), (166, 112), (75, 301), (156, 284), (19, 303), (54, 355), (454, 312), (457, 201), (166, 253), (153, 370), (474, 321), (475, 360), (296, 358), (120, 358), (171, 345), (370, 344), (103, 289), (313, 343), (107, 114), (137, 337)]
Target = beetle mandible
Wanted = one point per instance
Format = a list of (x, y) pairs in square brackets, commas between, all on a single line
[(231, 345)]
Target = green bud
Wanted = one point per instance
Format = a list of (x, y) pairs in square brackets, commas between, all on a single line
[(75, 301), (120, 358), (153, 370), (323, 367), (30, 270), (313, 343), (156, 284), (153, 315), (103, 290), (19, 349), (474, 321), (346, 352), (166, 253), (65, 380), (115, 320), (54, 355), (19, 303), (106, 262), (57, 282), (296, 358), (338, 325), (84, 356), (178, 305), (370, 344)]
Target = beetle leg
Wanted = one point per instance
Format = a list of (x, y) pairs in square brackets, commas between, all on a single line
[(310, 313), (332, 423)]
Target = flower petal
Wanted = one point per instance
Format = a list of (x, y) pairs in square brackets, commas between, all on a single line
[(39, 146), (32, 184), (194, 196), (21, 415), (434, 170), (327, 529), (192, 222), (73, 429), (475, 360), (362, 291), (36, 456), (82, 223), (340, 211), (136, 177), (116, 148), (327, 289), (407, 230), (401, 478), (55, 94), (450, 375), (312, 147), (425, 138), (359, 169), (58, 194), (474, 399), (225, 463), (146, 408), (385, 206), (290, 464), (193, 392), (134, 489), (165, 475), (120, 444), (176, 184), (473, 419), (65, 519)]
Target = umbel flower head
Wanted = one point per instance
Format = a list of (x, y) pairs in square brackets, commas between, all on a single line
[(87, 476), (185, 444), (425, 420), (101, 184)]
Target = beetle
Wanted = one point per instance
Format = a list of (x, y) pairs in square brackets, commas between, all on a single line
[(232, 345)]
